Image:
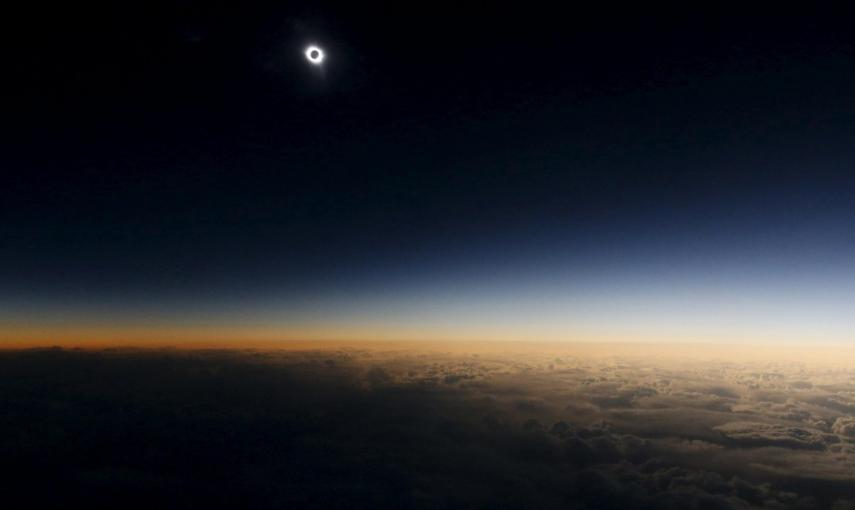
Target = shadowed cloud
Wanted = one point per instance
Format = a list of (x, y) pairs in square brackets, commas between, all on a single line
[(351, 428)]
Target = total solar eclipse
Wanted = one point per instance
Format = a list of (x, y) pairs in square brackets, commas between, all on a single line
[(488, 255), (314, 55)]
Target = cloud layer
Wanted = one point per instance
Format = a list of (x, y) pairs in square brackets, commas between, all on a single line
[(350, 428)]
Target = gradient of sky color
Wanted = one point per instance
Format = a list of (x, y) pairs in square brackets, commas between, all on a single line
[(672, 175)]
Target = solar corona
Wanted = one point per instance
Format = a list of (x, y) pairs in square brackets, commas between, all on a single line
[(314, 55)]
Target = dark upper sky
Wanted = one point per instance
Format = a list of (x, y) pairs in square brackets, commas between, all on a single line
[(163, 152)]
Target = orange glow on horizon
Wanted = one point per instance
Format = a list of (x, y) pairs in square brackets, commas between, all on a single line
[(387, 338)]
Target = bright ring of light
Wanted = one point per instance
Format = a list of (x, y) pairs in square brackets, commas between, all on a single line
[(314, 54)]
